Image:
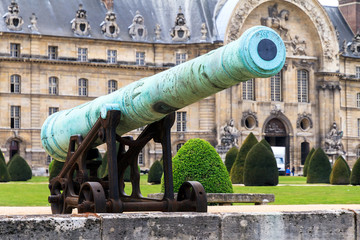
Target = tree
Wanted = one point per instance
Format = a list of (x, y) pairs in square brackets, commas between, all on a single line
[(198, 161), (307, 160), (2, 157), (340, 174), (355, 173), (319, 168), (237, 170), (18, 169), (4, 173), (267, 145), (155, 173), (260, 167), (55, 168), (230, 158)]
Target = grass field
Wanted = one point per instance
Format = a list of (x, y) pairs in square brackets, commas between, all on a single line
[(291, 190)]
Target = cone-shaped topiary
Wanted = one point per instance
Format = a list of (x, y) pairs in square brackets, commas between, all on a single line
[(260, 167), (355, 173), (155, 173), (319, 168), (19, 170), (4, 173), (198, 161), (307, 160), (237, 170), (127, 174), (230, 158), (55, 168), (340, 174), (2, 157), (267, 145)]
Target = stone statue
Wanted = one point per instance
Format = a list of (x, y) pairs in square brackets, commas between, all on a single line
[(277, 20), (138, 30), (33, 23), (80, 25), (229, 134), (12, 18), (299, 46), (333, 140), (180, 32), (109, 26)]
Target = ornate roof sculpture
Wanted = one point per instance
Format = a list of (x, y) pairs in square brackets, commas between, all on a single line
[(33, 23), (109, 26), (137, 30), (180, 32), (12, 18), (80, 25)]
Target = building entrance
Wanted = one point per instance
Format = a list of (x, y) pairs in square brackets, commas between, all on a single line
[(14, 148)]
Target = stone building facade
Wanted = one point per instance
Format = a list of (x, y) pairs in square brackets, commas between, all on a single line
[(60, 54)]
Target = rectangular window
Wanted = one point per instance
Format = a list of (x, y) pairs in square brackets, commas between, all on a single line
[(357, 73), (53, 52), (53, 86), (82, 54), (112, 86), (181, 121), (179, 146), (180, 58), (48, 159), (15, 84), (53, 110), (15, 117), (303, 82), (83, 87), (248, 90), (275, 86), (140, 58), (141, 158), (111, 56), (358, 100), (14, 50), (358, 125)]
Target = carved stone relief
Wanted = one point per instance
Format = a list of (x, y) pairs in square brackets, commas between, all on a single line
[(203, 32), (157, 31), (304, 121), (180, 32), (80, 24), (355, 45), (12, 19), (333, 144), (249, 120), (229, 134), (303, 64), (33, 23), (137, 30), (109, 26), (277, 20), (275, 127)]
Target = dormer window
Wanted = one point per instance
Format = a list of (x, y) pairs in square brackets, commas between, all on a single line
[(180, 32), (137, 29), (80, 24), (12, 19), (109, 26)]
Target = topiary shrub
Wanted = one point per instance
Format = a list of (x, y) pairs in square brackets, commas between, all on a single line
[(155, 173), (18, 169), (267, 145), (4, 173), (2, 157), (127, 174), (237, 170), (198, 161), (340, 174), (260, 167), (319, 168), (230, 158), (307, 160), (55, 168), (355, 173)]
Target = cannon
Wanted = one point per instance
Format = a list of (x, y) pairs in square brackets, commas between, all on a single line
[(72, 135)]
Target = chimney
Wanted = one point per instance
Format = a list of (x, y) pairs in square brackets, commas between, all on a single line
[(350, 9), (109, 4)]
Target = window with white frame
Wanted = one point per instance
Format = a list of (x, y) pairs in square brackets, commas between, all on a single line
[(14, 50), (15, 117), (15, 81), (358, 153), (53, 85), (275, 87), (178, 146), (140, 58), (112, 86), (180, 58), (357, 72), (111, 56), (141, 158), (83, 87), (303, 85), (181, 121), (248, 90), (53, 52), (358, 126), (82, 54), (358, 100), (53, 110)]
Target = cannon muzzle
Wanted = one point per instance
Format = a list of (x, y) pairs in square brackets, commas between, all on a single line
[(258, 53)]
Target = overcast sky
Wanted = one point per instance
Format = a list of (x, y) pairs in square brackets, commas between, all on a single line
[(329, 2)]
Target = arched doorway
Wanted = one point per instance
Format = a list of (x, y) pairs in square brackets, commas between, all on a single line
[(277, 135), (14, 148)]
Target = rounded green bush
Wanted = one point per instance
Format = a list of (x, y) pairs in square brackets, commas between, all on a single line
[(55, 168), (340, 174), (307, 160), (155, 173), (127, 174), (230, 158), (267, 145), (198, 161), (237, 170), (355, 173), (260, 167), (319, 168), (18, 169), (4, 173)]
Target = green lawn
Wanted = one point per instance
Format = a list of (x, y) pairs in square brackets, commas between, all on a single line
[(291, 190)]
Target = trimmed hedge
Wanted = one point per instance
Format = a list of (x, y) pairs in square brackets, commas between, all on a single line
[(260, 167), (340, 174), (237, 170), (355, 173), (4, 173), (18, 169), (230, 158), (55, 168), (2, 157), (319, 168), (267, 145), (155, 173), (198, 161), (307, 160)]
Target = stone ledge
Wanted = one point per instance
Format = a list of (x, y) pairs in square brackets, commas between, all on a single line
[(227, 198)]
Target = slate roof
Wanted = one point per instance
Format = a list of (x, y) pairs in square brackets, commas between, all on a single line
[(54, 17)]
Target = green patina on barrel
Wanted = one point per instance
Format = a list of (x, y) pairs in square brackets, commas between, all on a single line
[(258, 53)]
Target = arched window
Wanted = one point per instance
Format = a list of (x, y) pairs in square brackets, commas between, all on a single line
[(276, 87), (248, 90), (303, 85), (15, 81), (112, 86), (53, 86), (83, 87)]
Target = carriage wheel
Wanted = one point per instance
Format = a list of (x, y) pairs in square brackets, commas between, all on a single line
[(193, 196), (57, 199), (92, 198)]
